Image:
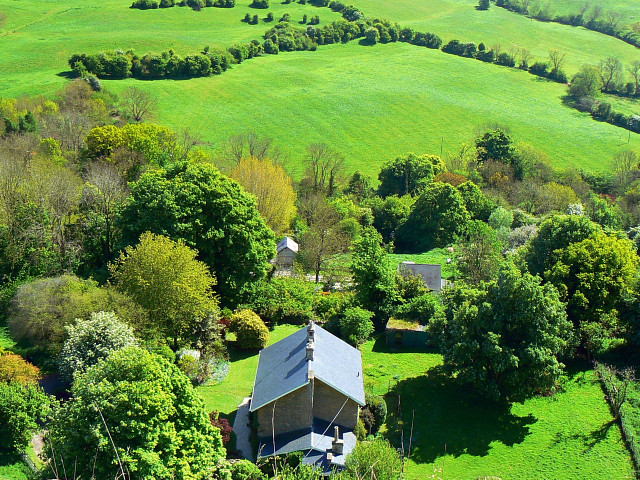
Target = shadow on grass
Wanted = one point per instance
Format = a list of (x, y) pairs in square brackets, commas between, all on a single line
[(590, 439), (236, 354), (449, 418)]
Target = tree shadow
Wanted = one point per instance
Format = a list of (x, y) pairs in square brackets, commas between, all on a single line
[(236, 353), (449, 419), (590, 439)]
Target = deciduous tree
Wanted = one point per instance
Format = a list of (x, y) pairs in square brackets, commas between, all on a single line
[(211, 213), (505, 340), (273, 189), (165, 278), (136, 413)]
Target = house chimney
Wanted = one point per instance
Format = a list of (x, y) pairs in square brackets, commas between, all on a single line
[(311, 331), (310, 348), (337, 445)]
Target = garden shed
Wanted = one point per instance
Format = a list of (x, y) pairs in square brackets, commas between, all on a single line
[(401, 333), (286, 252)]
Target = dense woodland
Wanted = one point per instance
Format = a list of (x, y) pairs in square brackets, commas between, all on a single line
[(135, 261)]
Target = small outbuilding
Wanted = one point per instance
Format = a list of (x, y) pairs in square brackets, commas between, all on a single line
[(306, 397), (430, 273), (287, 250), (401, 333)]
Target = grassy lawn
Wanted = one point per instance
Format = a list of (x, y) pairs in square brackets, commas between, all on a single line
[(459, 19), (370, 103), (374, 103), (456, 435)]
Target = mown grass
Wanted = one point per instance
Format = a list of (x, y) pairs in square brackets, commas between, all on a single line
[(369, 103), (457, 435), (228, 394), (460, 19), (374, 103)]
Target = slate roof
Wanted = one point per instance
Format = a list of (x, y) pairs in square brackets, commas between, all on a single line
[(283, 367), (311, 440), (289, 243)]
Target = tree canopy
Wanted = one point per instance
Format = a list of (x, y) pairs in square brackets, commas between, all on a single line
[(211, 213), (138, 409), (408, 175), (165, 278), (505, 339), (438, 216)]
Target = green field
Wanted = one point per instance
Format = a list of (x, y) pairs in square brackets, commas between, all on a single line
[(373, 103), (369, 103), (456, 435)]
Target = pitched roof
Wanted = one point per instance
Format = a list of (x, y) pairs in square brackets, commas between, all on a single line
[(287, 242), (318, 439), (284, 368)]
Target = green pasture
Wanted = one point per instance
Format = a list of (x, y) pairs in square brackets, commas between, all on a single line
[(39, 37), (374, 103), (460, 19)]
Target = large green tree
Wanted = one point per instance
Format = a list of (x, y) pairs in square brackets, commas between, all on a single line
[(408, 175), (556, 232), (596, 277), (504, 340), (438, 216), (373, 277), (211, 213), (135, 413), (165, 278), (480, 253)]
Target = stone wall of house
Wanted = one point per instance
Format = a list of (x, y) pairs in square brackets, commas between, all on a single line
[(285, 258), (327, 402), (292, 413)]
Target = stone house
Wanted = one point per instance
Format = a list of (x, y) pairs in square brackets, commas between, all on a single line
[(307, 395), (286, 252), (430, 273)]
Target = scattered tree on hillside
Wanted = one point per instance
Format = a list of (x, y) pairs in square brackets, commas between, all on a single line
[(137, 104), (610, 71)]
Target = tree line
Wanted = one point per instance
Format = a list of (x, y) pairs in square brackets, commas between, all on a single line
[(196, 5), (597, 18)]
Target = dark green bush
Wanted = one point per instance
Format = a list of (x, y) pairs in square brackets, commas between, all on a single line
[(283, 300), (419, 309), (260, 4)]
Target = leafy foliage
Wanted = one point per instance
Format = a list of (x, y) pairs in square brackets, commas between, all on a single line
[(165, 278), (90, 341), (373, 277), (251, 332), (505, 340), (373, 459), (155, 421), (438, 216), (408, 175), (14, 368), (211, 213), (356, 325), (22, 407)]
